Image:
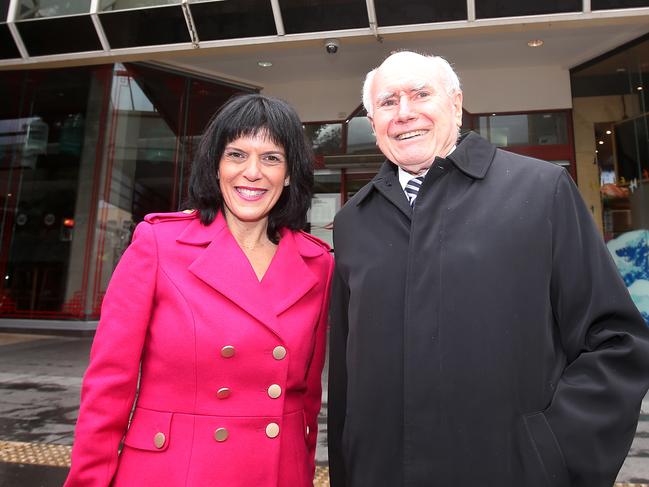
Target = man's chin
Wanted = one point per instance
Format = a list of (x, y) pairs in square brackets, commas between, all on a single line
[(414, 168)]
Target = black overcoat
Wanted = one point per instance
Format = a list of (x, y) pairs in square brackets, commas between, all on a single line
[(483, 337)]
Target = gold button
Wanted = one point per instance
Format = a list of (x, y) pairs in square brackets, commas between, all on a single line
[(223, 392), (221, 434), (274, 391), (159, 440), (272, 430), (227, 351), (279, 352)]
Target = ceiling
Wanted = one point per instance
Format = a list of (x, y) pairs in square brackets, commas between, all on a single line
[(566, 44)]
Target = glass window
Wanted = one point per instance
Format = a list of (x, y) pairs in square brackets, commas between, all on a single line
[(632, 148), (85, 153), (524, 129), (145, 27), (157, 117), (59, 35), (612, 127), (230, 20), (360, 136), (108, 5), (319, 15), (48, 140), (510, 8), (204, 99), (4, 10), (325, 204), (326, 138), (389, 12), (36, 9), (608, 4), (8, 49)]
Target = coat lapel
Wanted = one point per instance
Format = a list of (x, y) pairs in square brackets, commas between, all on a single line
[(288, 278), (387, 183), (224, 267)]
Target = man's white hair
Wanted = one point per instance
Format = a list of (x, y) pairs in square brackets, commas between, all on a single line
[(449, 78)]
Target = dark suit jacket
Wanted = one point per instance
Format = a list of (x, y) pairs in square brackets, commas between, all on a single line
[(485, 337)]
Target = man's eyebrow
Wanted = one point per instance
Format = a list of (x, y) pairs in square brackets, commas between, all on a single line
[(384, 96), (415, 86)]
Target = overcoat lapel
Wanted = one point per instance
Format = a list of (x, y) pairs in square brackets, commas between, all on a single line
[(288, 278), (387, 183), (224, 267)]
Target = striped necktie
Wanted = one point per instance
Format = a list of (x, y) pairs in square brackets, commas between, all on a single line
[(412, 188)]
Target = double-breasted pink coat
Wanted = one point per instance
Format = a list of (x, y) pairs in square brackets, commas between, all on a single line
[(229, 366)]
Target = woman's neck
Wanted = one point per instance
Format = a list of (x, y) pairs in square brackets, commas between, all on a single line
[(249, 235)]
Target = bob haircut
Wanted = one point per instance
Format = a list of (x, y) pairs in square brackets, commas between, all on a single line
[(247, 116)]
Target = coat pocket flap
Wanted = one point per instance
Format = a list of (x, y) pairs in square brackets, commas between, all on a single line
[(149, 430)]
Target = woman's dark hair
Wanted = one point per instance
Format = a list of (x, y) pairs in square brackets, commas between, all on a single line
[(245, 116)]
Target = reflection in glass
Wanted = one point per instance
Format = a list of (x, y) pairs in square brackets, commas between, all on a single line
[(609, 4), (145, 27), (510, 8), (326, 138), (36, 9), (325, 204), (632, 148), (42, 153), (360, 136), (158, 116), (8, 49), (524, 129), (107, 5), (59, 35), (610, 103), (320, 15), (389, 12), (230, 20)]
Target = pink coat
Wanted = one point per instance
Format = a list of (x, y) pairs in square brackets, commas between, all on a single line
[(230, 367)]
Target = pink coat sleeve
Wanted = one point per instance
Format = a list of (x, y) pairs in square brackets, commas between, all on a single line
[(110, 383), (313, 396)]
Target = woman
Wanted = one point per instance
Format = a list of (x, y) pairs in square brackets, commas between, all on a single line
[(223, 311)]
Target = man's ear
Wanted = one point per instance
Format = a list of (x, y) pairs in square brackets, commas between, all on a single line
[(457, 104)]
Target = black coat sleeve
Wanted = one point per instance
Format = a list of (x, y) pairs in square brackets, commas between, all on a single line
[(594, 411), (337, 387)]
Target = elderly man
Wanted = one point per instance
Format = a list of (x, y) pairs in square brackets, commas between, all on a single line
[(480, 333)]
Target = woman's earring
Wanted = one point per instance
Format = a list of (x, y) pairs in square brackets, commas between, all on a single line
[(287, 181)]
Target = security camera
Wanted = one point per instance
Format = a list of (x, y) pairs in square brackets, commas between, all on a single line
[(332, 45)]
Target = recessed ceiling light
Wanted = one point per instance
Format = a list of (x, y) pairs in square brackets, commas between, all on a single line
[(601, 142), (264, 64), (608, 132), (535, 43), (639, 88), (621, 70)]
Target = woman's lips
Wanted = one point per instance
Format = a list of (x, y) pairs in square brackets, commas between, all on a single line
[(250, 194)]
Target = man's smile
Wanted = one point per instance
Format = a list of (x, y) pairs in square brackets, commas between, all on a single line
[(410, 135)]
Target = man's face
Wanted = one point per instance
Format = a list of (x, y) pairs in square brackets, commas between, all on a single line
[(414, 118)]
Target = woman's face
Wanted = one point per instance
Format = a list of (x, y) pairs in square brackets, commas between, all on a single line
[(252, 174)]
